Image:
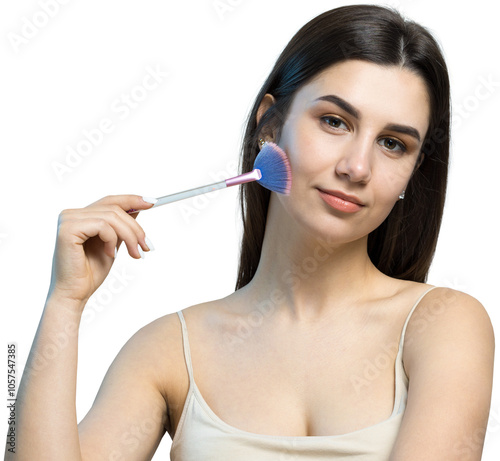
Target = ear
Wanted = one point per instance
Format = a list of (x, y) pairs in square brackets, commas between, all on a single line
[(267, 102)]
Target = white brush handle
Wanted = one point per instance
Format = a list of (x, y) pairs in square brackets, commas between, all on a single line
[(189, 193), (253, 175)]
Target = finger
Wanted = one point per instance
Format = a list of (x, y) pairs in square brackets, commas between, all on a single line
[(135, 212), (125, 202), (106, 212), (79, 231), (126, 228)]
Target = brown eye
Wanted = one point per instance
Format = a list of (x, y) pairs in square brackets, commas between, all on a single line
[(393, 145), (334, 122)]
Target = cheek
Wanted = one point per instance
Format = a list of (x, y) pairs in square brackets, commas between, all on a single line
[(390, 175), (395, 173), (386, 186), (308, 155)]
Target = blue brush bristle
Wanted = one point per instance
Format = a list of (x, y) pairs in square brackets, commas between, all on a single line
[(274, 166)]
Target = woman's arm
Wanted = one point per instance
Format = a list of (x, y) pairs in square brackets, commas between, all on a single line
[(129, 415), (46, 425), (448, 357), (45, 408)]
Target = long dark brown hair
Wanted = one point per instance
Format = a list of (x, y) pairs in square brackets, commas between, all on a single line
[(404, 244)]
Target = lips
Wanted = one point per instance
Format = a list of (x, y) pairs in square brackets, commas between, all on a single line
[(346, 197), (341, 201)]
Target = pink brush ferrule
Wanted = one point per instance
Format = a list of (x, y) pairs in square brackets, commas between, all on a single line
[(254, 175)]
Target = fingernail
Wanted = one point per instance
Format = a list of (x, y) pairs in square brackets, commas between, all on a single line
[(141, 252), (116, 251), (150, 200), (149, 244)]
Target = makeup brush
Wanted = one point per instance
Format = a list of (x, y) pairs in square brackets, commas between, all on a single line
[(271, 170)]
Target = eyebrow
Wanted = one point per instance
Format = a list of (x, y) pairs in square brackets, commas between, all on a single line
[(350, 109), (404, 129), (342, 103)]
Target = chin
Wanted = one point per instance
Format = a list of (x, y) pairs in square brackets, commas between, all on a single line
[(318, 223), (325, 227)]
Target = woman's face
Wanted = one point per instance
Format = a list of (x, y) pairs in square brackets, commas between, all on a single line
[(353, 136)]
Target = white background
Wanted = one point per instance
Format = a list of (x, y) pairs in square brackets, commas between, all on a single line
[(69, 75)]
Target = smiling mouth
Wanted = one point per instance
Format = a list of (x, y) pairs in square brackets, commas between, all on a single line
[(340, 201)]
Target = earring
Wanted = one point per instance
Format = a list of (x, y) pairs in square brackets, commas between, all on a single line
[(261, 142), (402, 195)]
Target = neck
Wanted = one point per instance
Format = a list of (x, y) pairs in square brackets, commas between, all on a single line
[(307, 276)]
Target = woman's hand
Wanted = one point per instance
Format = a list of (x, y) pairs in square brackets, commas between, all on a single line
[(86, 242)]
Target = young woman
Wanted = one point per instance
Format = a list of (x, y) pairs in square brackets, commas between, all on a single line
[(332, 346)]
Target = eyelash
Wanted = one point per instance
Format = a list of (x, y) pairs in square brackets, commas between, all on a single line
[(338, 119), (331, 117)]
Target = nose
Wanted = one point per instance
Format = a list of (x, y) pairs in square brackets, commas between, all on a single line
[(355, 162)]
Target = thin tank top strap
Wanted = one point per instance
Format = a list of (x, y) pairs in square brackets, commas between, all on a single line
[(401, 341), (401, 376), (185, 343)]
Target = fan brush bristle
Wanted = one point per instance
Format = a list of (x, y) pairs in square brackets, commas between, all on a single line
[(274, 166)]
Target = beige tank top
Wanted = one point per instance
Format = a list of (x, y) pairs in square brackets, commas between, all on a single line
[(202, 436)]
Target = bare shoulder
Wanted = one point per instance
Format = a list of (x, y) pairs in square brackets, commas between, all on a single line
[(158, 340), (448, 357), (446, 319), (156, 350), (162, 341), (141, 396), (132, 395), (163, 336)]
